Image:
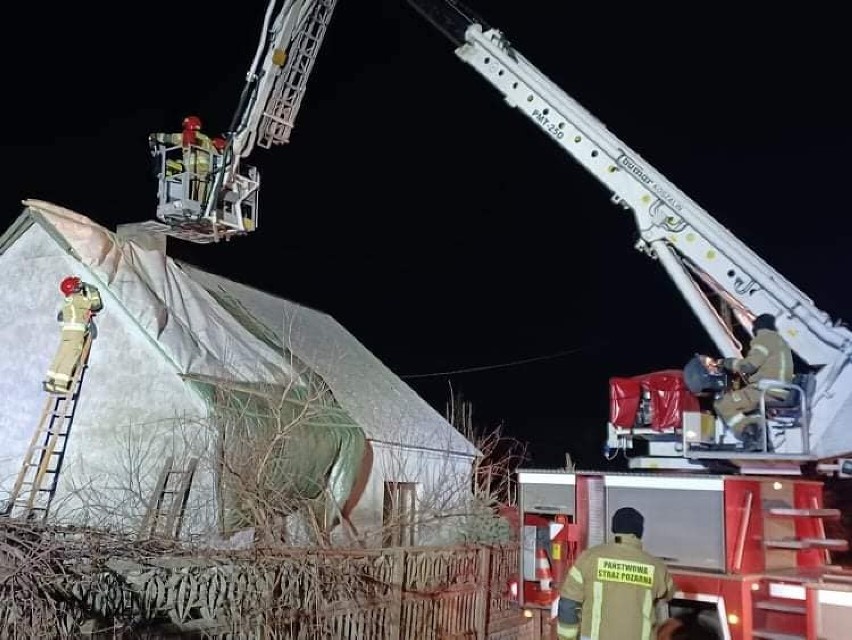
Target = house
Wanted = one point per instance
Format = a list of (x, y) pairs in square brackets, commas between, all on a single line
[(186, 363)]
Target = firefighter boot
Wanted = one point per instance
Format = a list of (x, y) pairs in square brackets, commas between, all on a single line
[(51, 386)]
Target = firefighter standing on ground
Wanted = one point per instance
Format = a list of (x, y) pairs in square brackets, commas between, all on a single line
[(82, 302), (769, 358), (612, 591)]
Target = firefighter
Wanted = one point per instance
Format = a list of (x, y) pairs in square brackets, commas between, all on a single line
[(197, 155), (613, 589), (769, 357), (82, 302)]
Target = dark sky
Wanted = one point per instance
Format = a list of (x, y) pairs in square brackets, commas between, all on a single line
[(440, 227)]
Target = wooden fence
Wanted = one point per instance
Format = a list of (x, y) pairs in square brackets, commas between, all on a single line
[(419, 593), (451, 593)]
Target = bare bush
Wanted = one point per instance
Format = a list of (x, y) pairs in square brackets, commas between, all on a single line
[(292, 465), (280, 448), (493, 474)]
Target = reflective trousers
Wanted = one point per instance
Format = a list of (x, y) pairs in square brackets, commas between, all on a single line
[(67, 359)]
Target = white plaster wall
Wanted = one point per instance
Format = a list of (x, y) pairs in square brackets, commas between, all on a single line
[(133, 410), (443, 493)]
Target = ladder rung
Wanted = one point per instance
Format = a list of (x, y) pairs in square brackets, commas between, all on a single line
[(53, 452), (804, 513), (808, 543), (32, 508), (769, 605), (758, 634)]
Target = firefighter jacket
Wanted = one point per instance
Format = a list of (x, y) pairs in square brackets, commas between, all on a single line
[(196, 159), (78, 308), (769, 358), (176, 140), (618, 586)]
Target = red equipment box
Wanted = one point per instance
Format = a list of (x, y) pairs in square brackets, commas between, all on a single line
[(668, 395)]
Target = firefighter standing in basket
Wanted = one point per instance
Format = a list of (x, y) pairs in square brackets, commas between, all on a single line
[(198, 155)]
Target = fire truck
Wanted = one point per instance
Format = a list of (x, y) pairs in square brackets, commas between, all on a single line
[(743, 531)]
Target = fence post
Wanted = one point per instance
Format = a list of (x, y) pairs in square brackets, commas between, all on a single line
[(397, 592), (483, 593)]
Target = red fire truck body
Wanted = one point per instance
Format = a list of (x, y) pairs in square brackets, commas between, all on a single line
[(742, 528), (749, 554)]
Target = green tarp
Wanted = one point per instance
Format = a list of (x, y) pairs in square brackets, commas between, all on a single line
[(283, 450), (297, 448)]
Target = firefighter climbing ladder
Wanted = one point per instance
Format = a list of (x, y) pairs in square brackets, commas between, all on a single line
[(168, 504), (35, 486)]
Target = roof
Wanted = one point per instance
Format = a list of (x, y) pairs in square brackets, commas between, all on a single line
[(209, 326)]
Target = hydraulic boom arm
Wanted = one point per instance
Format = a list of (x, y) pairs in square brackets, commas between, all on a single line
[(683, 237), (291, 37), (277, 78), (276, 81)]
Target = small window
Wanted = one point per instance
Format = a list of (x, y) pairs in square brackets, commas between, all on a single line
[(398, 514)]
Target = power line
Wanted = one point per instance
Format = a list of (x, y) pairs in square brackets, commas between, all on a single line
[(503, 365)]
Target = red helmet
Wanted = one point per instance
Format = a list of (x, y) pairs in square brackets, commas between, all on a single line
[(69, 285), (192, 123), (219, 143)]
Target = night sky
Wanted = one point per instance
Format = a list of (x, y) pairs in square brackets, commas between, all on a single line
[(441, 228)]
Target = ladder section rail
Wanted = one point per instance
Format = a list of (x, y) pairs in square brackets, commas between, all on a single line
[(46, 451)]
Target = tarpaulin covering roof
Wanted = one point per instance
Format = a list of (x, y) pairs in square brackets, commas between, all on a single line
[(208, 325), (221, 336)]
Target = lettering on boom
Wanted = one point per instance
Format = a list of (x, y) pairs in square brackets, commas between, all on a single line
[(639, 173), (547, 124), (636, 573)]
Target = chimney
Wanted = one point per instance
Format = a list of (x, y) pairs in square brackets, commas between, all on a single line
[(146, 236)]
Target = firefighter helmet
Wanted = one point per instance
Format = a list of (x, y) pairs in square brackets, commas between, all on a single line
[(69, 285), (764, 321), (192, 123), (219, 143)]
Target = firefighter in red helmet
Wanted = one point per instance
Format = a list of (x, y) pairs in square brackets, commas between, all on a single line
[(191, 132), (197, 156), (82, 302)]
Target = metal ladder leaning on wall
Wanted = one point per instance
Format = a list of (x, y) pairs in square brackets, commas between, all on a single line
[(38, 477), (164, 516)]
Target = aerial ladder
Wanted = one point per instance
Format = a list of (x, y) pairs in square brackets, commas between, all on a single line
[(748, 547), (205, 191), (706, 262)]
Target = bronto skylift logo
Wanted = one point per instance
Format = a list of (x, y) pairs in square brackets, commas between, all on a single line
[(633, 167), (630, 164)]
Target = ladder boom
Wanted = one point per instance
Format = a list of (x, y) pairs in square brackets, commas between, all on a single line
[(206, 192), (664, 215), (287, 52), (690, 245)]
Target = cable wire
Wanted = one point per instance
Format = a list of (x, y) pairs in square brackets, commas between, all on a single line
[(504, 365)]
